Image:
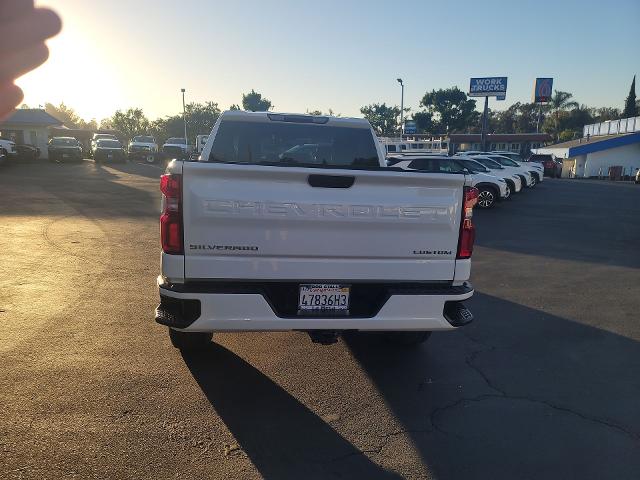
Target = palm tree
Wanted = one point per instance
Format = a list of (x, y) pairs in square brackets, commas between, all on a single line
[(561, 101)]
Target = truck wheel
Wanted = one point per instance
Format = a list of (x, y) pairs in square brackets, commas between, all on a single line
[(407, 338), (189, 341), (486, 198)]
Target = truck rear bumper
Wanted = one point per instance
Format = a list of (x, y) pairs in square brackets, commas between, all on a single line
[(215, 306)]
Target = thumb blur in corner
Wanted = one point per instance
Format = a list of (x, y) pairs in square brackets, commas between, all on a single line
[(23, 31)]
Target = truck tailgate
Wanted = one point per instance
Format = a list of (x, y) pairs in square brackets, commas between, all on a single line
[(270, 223)]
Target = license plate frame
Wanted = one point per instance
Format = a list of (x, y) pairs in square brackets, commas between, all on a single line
[(318, 298)]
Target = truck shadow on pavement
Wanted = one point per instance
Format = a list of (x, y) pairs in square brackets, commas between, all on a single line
[(518, 394), (281, 436)]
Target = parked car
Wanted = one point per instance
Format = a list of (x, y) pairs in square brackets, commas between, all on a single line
[(498, 170), (491, 189), (514, 183), (8, 150), (102, 136), (143, 147), (108, 150), (27, 152), (552, 166), (176, 148), (529, 179), (533, 168), (515, 156), (64, 149), (467, 153), (395, 246), (201, 141)]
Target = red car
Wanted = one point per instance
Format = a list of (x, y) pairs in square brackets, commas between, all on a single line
[(552, 166)]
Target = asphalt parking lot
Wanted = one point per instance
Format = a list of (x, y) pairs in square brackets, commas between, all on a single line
[(544, 384)]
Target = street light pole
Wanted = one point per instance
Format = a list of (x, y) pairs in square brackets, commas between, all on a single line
[(401, 107), (184, 118)]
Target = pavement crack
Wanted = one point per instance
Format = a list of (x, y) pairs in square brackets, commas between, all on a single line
[(470, 361), (501, 396)]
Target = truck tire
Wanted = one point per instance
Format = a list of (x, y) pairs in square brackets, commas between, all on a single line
[(189, 341), (407, 339), (487, 197)]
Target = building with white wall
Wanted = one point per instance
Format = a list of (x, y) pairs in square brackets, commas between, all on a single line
[(594, 155), (29, 126)]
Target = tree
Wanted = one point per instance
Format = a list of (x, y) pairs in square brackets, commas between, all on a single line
[(561, 101), (630, 108), (424, 121), (234, 107), (200, 120), (605, 113), (201, 117), (254, 102), (330, 113), (69, 117), (384, 120), (130, 123), (64, 114), (451, 111), (518, 118)]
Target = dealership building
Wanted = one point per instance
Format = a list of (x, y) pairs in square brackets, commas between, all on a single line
[(29, 126), (604, 148)]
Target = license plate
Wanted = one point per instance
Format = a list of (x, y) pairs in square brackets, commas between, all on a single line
[(324, 297), (64, 155), (110, 156)]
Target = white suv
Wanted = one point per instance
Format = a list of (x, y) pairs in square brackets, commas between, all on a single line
[(514, 182), (528, 180), (490, 188)]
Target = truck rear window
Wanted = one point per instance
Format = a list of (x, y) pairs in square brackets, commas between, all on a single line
[(293, 145)]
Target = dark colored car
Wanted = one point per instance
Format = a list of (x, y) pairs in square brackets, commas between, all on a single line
[(27, 152), (552, 166), (64, 149), (107, 150)]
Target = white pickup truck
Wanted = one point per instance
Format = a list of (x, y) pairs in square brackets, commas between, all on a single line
[(293, 222)]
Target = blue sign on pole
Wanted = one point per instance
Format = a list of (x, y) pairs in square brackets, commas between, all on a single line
[(488, 87), (542, 90), (410, 127)]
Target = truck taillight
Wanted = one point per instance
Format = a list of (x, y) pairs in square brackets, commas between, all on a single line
[(171, 230), (467, 230)]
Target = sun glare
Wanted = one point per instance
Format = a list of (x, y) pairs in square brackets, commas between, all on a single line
[(80, 72)]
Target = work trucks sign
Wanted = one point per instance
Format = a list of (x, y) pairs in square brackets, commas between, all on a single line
[(488, 87)]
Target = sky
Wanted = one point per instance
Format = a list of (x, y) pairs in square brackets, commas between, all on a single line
[(307, 55)]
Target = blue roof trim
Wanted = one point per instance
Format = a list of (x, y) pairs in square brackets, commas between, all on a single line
[(595, 146)]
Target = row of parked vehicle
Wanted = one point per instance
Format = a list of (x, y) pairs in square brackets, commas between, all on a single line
[(107, 147), (497, 175)]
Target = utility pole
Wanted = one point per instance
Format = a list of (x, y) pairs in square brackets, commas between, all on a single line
[(401, 107), (539, 118), (184, 118)]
